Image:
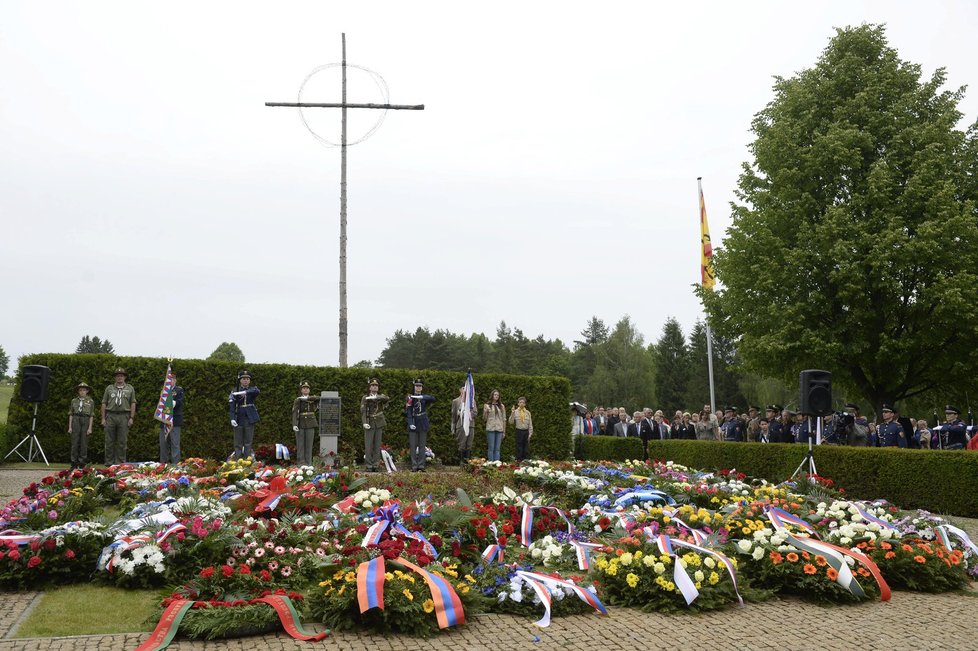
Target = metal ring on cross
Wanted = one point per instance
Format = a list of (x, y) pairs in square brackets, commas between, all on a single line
[(378, 81)]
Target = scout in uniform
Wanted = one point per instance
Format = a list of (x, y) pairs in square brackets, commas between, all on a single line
[(244, 415), (304, 424), (463, 439), (416, 412), (521, 419), (80, 416), (954, 431), (118, 412), (373, 419), (889, 434), (170, 441)]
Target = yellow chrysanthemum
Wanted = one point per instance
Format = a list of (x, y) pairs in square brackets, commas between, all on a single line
[(428, 605), (350, 577), (714, 578), (631, 580), (407, 593)]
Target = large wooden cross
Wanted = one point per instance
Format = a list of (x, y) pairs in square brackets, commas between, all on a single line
[(343, 106)]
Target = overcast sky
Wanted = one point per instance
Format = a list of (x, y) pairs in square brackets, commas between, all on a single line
[(149, 197)]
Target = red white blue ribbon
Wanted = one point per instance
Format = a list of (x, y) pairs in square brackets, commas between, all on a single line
[(583, 551), (542, 583), (943, 530), (869, 517), (699, 536), (17, 538), (526, 524), (679, 574), (727, 563), (779, 518), (494, 551)]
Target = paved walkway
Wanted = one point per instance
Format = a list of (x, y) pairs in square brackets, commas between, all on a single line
[(911, 621)]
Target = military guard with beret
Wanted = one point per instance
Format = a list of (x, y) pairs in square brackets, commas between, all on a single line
[(244, 415), (304, 423), (118, 412), (889, 433), (374, 422), (954, 431), (80, 417), (416, 411)]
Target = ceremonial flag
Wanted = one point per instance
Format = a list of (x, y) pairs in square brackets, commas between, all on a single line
[(708, 276), (468, 403), (164, 409)]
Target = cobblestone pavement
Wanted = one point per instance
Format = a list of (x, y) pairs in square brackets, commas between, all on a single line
[(911, 621)]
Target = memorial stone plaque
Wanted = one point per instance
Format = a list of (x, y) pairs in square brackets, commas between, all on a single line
[(329, 425)]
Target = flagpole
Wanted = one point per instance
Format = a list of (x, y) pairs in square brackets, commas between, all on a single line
[(709, 334)]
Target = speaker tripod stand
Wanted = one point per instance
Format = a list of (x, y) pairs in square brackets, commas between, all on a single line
[(34, 445), (809, 459)]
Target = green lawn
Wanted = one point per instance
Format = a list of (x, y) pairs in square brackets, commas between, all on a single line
[(6, 393), (91, 610)]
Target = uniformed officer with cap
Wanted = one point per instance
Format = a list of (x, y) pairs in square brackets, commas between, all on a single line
[(732, 428), (954, 432), (118, 412), (773, 413), (416, 411), (374, 422), (244, 415), (889, 433), (80, 417), (304, 424)]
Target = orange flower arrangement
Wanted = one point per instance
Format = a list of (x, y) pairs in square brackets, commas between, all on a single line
[(886, 545), (806, 555), (889, 555), (920, 559), (862, 571), (832, 574), (809, 568), (907, 548), (792, 557), (776, 558), (820, 560)]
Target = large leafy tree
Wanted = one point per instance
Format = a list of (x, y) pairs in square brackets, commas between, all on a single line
[(227, 351), (94, 345), (854, 244)]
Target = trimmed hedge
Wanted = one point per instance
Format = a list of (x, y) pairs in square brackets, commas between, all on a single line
[(939, 481), (207, 430)]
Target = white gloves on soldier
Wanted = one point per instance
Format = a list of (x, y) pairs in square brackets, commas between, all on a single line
[(413, 427), (238, 393), (366, 426), (234, 423), (295, 428)]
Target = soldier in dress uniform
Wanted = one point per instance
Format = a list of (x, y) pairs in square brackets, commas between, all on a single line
[(753, 423), (244, 415), (373, 419), (889, 433), (118, 412), (416, 412), (80, 417), (954, 432), (305, 423), (772, 412)]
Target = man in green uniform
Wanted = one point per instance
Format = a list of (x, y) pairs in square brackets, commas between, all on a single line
[(304, 424), (80, 416), (118, 413), (372, 415)]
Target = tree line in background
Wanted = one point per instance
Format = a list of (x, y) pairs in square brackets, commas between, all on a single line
[(608, 366)]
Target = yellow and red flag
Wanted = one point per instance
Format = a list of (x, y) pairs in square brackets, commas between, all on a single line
[(708, 275)]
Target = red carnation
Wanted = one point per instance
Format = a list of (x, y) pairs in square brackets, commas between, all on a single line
[(480, 532), (14, 555), (508, 529), (49, 544), (227, 571), (244, 569), (34, 562), (70, 554), (501, 540), (265, 575), (35, 545), (207, 572)]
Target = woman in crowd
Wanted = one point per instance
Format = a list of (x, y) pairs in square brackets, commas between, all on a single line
[(494, 415), (703, 428)]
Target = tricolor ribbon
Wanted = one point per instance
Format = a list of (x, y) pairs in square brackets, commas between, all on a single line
[(943, 530), (370, 584), (494, 551), (583, 551), (869, 517), (727, 563), (448, 606), (11, 536), (699, 536), (526, 523), (271, 496), (679, 574), (542, 585), (389, 516)]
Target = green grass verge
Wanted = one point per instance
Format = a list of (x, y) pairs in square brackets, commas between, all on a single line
[(91, 610), (6, 393)]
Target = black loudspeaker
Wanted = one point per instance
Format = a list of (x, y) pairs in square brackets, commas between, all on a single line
[(34, 383), (816, 392)]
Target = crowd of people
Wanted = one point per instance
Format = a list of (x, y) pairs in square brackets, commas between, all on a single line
[(775, 424)]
